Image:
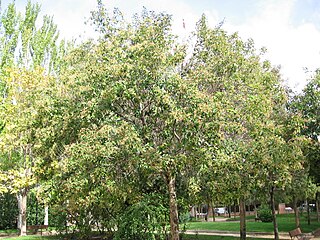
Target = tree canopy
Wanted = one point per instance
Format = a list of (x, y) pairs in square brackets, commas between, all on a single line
[(123, 133)]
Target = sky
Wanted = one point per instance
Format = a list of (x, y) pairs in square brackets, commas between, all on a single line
[(289, 29)]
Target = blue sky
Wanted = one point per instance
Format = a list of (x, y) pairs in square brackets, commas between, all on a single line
[(289, 29)]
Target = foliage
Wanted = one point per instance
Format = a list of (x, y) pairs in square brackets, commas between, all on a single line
[(28, 54), (35, 210), (127, 130), (143, 220), (8, 211), (127, 118), (264, 213), (307, 104)]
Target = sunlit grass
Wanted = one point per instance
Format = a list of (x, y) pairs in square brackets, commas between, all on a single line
[(33, 238), (286, 222), (204, 237)]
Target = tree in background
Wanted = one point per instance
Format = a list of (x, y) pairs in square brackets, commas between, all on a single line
[(24, 49), (248, 93), (308, 105)]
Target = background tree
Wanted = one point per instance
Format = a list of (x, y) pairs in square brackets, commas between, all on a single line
[(23, 47), (308, 104), (247, 92)]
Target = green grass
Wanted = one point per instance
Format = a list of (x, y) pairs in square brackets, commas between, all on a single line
[(204, 237), (286, 223), (185, 237), (9, 231), (33, 238)]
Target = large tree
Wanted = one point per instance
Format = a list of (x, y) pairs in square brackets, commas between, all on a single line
[(131, 125), (248, 92), (24, 47), (307, 104)]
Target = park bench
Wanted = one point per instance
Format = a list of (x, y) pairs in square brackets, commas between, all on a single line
[(296, 233), (35, 228), (316, 233)]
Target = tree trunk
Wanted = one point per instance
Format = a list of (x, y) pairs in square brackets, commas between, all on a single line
[(174, 222), (318, 206), (255, 209), (296, 211), (274, 218), (229, 211), (213, 212), (308, 212), (243, 230), (46, 215), (208, 210), (22, 217)]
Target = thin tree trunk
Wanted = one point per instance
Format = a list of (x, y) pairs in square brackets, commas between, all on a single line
[(308, 212), (274, 218), (208, 210), (255, 209), (318, 206), (296, 211), (174, 222), (46, 215), (22, 217), (213, 212), (243, 228)]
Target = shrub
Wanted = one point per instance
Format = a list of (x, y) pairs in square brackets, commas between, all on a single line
[(8, 211), (35, 210), (264, 213), (143, 220)]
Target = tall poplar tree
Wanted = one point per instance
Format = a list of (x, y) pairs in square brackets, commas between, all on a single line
[(23, 47)]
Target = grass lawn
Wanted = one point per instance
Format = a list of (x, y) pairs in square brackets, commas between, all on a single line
[(203, 237), (286, 223), (9, 231), (33, 238), (185, 237)]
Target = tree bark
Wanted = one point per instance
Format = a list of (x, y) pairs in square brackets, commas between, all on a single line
[(274, 218), (22, 217), (318, 206), (46, 215), (208, 210), (174, 220), (255, 209), (308, 212), (243, 228), (213, 212), (296, 211)]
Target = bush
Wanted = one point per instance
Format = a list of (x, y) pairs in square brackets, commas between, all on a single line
[(264, 213), (35, 210), (8, 211), (143, 220)]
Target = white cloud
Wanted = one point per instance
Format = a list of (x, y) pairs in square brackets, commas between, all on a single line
[(292, 47), (70, 16)]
